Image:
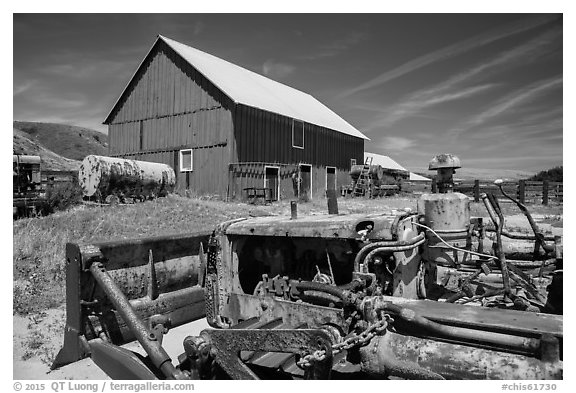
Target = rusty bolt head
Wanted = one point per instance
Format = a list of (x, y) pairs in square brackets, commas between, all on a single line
[(444, 161)]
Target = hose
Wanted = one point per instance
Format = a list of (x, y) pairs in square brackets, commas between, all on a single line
[(451, 246), (378, 250), (346, 296), (387, 245)]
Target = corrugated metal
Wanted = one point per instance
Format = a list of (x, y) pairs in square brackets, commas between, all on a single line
[(383, 161)]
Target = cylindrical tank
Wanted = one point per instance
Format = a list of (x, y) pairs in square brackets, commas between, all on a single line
[(449, 216), (376, 172), (117, 176)]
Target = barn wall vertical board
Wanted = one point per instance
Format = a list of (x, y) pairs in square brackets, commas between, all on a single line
[(180, 108)]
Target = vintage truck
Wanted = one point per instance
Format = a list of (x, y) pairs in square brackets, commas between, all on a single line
[(426, 294)]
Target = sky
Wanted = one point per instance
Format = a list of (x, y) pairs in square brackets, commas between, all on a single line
[(485, 87)]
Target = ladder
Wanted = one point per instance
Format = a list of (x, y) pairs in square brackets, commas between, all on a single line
[(363, 181)]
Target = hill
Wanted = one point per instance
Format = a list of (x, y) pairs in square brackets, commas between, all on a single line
[(481, 174), (23, 143), (67, 141)]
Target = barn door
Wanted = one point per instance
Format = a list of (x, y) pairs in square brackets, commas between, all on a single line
[(272, 182), (305, 191)]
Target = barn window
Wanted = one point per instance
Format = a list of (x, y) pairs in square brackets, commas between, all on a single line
[(186, 160), (297, 134), (352, 162)]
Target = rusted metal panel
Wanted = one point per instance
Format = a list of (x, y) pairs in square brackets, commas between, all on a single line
[(326, 226)]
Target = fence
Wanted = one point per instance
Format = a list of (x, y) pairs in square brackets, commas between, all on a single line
[(525, 191)]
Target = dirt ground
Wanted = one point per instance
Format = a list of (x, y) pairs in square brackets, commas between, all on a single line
[(38, 337)]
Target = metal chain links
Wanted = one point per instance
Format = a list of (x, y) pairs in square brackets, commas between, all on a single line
[(355, 340)]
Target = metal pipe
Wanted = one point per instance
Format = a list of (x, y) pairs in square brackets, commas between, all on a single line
[(500, 248), (409, 357), (524, 209), (146, 338), (390, 244), (499, 340)]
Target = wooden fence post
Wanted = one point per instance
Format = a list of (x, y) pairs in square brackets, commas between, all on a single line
[(545, 192), (476, 190), (522, 191)]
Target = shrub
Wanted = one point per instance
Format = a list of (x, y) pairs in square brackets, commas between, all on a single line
[(61, 196)]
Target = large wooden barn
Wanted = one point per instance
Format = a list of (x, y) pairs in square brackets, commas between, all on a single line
[(226, 130)]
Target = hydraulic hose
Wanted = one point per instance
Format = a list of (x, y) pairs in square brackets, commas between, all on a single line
[(346, 296), (389, 246)]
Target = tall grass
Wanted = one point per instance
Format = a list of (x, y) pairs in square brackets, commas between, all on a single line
[(39, 243)]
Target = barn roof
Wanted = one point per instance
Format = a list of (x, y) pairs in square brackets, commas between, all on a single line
[(249, 88), (384, 161), (388, 163)]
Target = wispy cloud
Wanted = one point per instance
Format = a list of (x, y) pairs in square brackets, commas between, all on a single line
[(22, 87), (449, 51), (452, 88), (396, 143), (417, 102), (337, 46), (509, 101), (277, 70)]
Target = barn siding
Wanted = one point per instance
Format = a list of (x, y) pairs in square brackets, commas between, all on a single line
[(174, 107), (267, 137), (169, 106)]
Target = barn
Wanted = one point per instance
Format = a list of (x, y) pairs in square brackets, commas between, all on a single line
[(228, 131)]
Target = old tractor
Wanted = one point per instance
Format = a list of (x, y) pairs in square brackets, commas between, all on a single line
[(426, 294), (27, 192)]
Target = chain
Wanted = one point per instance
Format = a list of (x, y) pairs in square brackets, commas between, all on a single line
[(355, 340)]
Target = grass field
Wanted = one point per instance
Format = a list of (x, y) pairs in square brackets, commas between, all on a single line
[(39, 243)]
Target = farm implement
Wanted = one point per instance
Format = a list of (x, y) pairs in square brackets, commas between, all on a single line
[(430, 294)]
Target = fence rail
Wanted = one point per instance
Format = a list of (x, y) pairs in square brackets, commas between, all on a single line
[(525, 191)]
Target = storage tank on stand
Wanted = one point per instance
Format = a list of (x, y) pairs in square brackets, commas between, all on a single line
[(102, 176)]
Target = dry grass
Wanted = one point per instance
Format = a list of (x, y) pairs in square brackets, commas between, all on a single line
[(39, 243)]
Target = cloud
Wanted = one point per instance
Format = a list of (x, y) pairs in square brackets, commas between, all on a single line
[(276, 70), (451, 89), (417, 102), (396, 143), (450, 51), (509, 101), (23, 87), (338, 46)]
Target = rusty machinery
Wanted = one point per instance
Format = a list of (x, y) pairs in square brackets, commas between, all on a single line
[(27, 193), (432, 294)]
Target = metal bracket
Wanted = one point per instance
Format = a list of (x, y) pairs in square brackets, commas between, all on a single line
[(226, 344)]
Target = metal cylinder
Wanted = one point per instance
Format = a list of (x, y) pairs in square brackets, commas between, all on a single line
[(375, 172), (111, 176), (449, 216), (411, 357)]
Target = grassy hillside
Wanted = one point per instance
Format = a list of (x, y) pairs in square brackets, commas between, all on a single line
[(67, 141), (24, 144)]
